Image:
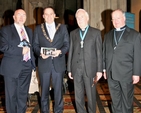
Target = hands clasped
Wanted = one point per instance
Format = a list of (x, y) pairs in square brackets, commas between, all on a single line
[(54, 54)]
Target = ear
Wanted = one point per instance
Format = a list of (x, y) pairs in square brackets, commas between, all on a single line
[(54, 15), (13, 17), (43, 16), (124, 18)]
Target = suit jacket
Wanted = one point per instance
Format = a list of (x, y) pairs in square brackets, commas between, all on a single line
[(60, 42), (11, 64), (125, 60), (92, 52)]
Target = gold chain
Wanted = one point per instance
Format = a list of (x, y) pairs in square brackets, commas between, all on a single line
[(44, 32)]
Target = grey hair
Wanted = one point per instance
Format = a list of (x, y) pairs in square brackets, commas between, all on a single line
[(86, 13), (123, 12)]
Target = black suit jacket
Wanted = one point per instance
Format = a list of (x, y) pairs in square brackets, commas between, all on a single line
[(125, 60), (11, 64), (92, 52), (60, 42)]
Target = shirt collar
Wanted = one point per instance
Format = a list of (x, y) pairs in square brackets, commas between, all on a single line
[(120, 29), (52, 24)]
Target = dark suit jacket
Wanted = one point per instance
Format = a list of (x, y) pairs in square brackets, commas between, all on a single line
[(125, 60), (11, 64), (60, 42), (92, 52)]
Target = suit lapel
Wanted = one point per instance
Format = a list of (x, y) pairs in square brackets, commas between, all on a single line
[(110, 46), (57, 31), (88, 32), (57, 26), (111, 40), (29, 34), (77, 37), (17, 37), (124, 37), (55, 38), (46, 30)]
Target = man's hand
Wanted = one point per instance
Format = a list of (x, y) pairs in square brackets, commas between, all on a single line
[(136, 79), (56, 53), (44, 56), (99, 75), (96, 78), (25, 50), (104, 75), (70, 75)]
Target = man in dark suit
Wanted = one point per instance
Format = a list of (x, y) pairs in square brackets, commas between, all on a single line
[(15, 69), (122, 62), (51, 64), (85, 62)]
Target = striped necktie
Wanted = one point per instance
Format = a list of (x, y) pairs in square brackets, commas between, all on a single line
[(26, 56)]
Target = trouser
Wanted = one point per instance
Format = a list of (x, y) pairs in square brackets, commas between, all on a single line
[(122, 96), (16, 90), (82, 85), (57, 83)]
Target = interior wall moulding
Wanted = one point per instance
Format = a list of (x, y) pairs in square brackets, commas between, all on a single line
[(36, 3), (41, 3)]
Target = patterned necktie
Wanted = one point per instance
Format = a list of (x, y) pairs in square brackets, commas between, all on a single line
[(23, 34), (26, 56)]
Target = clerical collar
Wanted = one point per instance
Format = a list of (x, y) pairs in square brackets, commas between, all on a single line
[(83, 29), (120, 29)]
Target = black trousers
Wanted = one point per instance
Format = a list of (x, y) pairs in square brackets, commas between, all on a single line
[(16, 90), (56, 79), (122, 95), (82, 85)]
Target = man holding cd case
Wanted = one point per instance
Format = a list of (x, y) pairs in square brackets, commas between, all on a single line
[(51, 67)]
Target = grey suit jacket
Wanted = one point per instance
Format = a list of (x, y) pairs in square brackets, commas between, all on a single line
[(125, 60), (60, 42), (92, 52)]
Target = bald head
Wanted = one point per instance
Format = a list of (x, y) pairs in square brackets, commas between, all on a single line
[(19, 17)]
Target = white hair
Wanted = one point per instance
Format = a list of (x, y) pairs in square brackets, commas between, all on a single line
[(86, 13)]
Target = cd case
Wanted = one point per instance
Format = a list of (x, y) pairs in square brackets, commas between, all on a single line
[(24, 43), (47, 51)]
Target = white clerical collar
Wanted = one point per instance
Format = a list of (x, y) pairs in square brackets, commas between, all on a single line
[(120, 29), (83, 29)]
